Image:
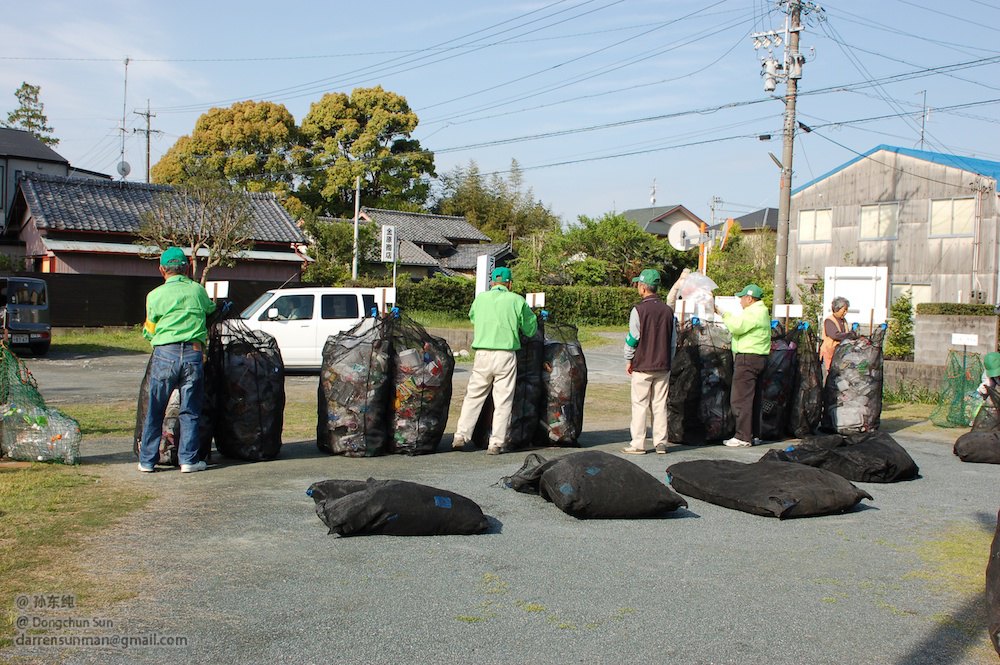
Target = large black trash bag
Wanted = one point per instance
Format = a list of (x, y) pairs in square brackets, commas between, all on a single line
[(806, 408), (564, 377), (529, 397), (170, 434), (981, 445), (776, 384), (355, 385), (249, 392), (395, 508), (766, 487), (423, 366), (993, 589), (701, 377), (868, 457), (595, 485), (852, 397)]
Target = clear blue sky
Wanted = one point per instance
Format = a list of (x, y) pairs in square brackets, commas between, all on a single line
[(671, 90)]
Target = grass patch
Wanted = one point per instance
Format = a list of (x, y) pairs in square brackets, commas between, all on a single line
[(955, 561), (300, 420), (100, 340), (431, 319), (908, 393), (47, 511), (901, 416), (103, 418)]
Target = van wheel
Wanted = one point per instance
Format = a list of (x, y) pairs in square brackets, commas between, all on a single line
[(40, 348)]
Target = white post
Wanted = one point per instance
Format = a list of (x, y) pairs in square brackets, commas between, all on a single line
[(357, 213)]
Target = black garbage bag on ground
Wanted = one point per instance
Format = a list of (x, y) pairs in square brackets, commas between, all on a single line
[(249, 385), (529, 398), (170, 435), (766, 487), (868, 457), (701, 377), (595, 485), (564, 377), (806, 408), (852, 397), (993, 589), (423, 366), (981, 445), (395, 508), (776, 385), (355, 384)]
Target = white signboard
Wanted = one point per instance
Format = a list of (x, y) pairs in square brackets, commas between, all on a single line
[(484, 269), (964, 339), (867, 289), (217, 290), (388, 244), (788, 311), (535, 300)]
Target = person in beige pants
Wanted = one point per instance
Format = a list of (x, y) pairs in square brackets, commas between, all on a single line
[(498, 316)]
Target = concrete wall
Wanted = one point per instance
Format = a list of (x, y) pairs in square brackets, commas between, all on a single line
[(932, 334), (457, 339), (896, 373)]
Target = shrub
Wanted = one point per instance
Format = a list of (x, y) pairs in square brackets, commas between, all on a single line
[(956, 309), (899, 341)]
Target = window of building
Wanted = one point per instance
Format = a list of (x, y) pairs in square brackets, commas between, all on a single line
[(815, 225), (952, 217), (879, 221)]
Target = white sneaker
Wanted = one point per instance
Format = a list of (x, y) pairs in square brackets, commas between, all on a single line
[(737, 443), (458, 442), (191, 468), (145, 469)]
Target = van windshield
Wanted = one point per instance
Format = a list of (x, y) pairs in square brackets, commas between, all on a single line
[(249, 311), (23, 292)]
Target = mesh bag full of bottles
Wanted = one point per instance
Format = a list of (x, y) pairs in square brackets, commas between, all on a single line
[(30, 431), (852, 396), (701, 376), (248, 391), (776, 384), (422, 369), (959, 401), (564, 378), (806, 408)]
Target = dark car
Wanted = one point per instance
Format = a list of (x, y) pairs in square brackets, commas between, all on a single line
[(26, 323)]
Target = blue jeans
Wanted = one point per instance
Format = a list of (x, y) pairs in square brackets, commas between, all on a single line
[(177, 366)]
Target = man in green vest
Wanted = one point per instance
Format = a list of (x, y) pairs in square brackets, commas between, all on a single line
[(751, 330)]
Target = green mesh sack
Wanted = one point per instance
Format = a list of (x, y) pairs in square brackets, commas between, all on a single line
[(959, 401), (29, 431)]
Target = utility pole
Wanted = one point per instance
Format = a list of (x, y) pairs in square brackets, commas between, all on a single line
[(357, 213), (147, 115), (790, 71)]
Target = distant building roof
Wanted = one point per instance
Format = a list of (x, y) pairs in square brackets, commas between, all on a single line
[(97, 205), (20, 144), (426, 229), (759, 219), (984, 167), (651, 220), (464, 257)]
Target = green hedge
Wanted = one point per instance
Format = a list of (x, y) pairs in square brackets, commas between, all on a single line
[(581, 305), (956, 309)]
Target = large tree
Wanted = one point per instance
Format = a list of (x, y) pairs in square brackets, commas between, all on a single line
[(30, 115), (745, 259), (332, 248), (499, 207), (252, 145), (205, 215), (366, 135)]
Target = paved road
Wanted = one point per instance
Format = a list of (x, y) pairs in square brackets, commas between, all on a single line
[(235, 560)]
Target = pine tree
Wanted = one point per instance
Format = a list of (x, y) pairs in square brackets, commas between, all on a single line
[(30, 115)]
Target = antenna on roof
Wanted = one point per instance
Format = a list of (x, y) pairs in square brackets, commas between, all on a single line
[(652, 194), (123, 166)]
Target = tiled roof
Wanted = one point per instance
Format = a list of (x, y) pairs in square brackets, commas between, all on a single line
[(464, 256), (424, 229), (643, 216), (87, 204), (20, 144), (411, 255), (759, 219)]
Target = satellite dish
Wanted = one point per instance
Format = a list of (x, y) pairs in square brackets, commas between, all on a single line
[(123, 168), (684, 235)]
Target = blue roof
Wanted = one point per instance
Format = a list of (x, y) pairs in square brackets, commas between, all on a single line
[(983, 167)]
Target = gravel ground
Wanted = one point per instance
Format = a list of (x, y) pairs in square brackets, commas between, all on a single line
[(236, 561)]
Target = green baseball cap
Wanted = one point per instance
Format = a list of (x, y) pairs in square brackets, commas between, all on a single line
[(173, 257), (751, 290), (648, 276), (991, 362), (501, 275)]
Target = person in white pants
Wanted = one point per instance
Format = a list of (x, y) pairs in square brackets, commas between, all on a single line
[(498, 316)]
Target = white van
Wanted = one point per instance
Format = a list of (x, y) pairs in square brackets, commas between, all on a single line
[(301, 319)]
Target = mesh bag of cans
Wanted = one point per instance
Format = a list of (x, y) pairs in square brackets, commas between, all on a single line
[(248, 391), (776, 384), (355, 386), (31, 431), (564, 378), (852, 397), (806, 408), (701, 375), (422, 369)]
